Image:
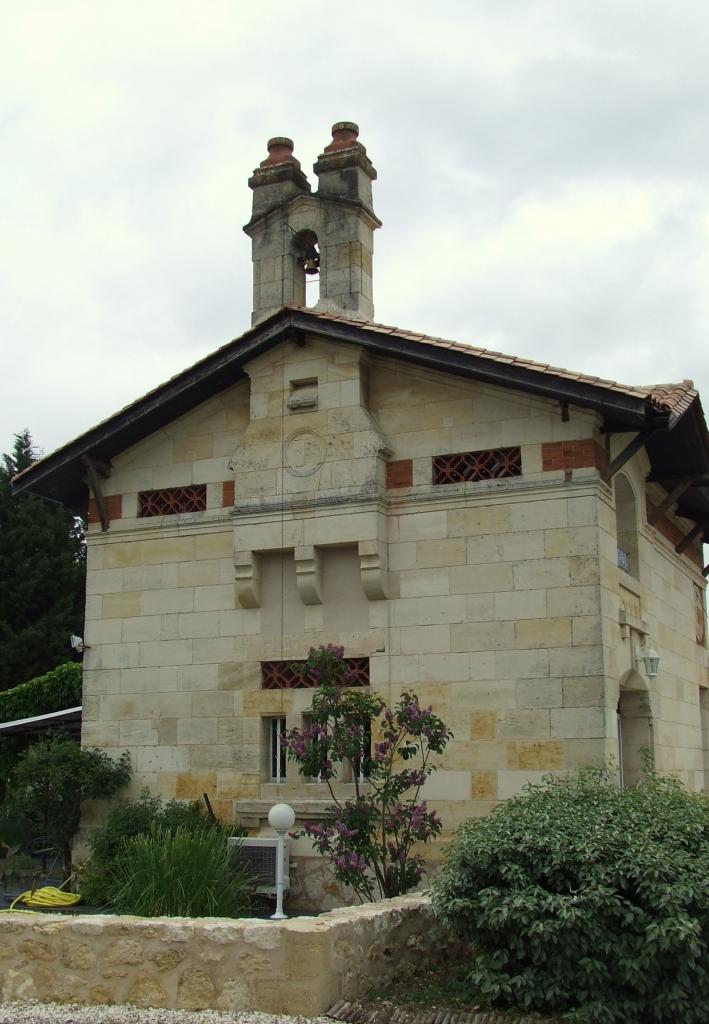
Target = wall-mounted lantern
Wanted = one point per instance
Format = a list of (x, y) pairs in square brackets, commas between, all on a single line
[(650, 659)]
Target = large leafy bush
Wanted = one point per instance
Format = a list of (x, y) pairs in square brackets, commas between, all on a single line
[(583, 899), (129, 819)]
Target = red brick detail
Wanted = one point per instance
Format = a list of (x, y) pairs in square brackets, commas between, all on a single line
[(400, 473), (287, 675), (114, 507), (674, 535), (573, 455), (228, 493)]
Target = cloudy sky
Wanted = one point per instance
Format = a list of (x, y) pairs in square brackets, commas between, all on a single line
[(543, 180)]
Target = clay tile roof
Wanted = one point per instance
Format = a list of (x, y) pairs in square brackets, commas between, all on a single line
[(672, 398), (669, 398)]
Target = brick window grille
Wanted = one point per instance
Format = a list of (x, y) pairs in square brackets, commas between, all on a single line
[(465, 467), (171, 500), (286, 675)]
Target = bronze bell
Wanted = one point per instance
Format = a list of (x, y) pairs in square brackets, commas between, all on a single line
[(311, 261)]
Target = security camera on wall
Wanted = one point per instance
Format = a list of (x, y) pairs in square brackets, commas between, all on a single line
[(77, 644)]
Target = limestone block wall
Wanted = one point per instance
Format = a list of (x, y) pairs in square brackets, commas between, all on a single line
[(160, 612), (496, 601), (657, 601), (494, 615), (299, 966)]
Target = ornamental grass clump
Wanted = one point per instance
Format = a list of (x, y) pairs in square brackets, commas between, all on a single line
[(179, 873), (127, 819), (585, 900), (386, 754)]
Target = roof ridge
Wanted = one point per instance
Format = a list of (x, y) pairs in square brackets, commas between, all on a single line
[(657, 394)]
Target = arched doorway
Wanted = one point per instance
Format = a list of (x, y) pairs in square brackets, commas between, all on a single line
[(635, 732)]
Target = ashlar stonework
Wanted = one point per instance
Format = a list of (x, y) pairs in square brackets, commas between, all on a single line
[(301, 966)]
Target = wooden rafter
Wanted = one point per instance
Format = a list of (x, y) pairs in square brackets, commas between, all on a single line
[(695, 532), (93, 468), (676, 492), (627, 453)]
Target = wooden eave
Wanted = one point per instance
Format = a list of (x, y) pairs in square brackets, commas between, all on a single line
[(60, 476)]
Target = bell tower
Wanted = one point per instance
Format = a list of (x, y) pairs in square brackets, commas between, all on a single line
[(328, 235)]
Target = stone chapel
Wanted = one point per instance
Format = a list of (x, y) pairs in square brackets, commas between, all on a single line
[(516, 543)]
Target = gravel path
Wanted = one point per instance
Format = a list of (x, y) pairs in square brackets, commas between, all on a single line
[(55, 1013)]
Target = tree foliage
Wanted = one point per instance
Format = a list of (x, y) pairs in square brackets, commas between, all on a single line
[(42, 572), (51, 781), (388, 756), (583, 899)]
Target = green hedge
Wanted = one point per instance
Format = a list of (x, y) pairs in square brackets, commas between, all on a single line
[(55, 691)]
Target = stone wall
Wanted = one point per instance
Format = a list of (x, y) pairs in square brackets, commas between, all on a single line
[(498, 601), (302, 965), (654, 600)]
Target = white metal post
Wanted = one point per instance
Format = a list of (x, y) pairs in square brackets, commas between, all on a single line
[(281, 818), (279, 915)]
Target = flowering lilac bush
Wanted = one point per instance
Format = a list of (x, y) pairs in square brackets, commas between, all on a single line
[(387, 755)]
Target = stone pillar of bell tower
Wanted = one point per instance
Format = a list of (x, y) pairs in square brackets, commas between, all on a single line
[(345, 175), (276, 182), (328, 235)]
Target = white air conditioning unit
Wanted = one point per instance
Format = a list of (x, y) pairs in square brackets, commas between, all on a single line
[(260, 855)]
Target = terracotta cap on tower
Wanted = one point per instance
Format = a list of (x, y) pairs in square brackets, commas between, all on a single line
[(281, 169), (345, 150), (344, 135), (280, 151)]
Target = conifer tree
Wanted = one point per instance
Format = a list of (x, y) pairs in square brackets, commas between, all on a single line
[(42, 571)]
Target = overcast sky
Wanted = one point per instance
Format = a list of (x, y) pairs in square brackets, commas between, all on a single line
[(543, 181)]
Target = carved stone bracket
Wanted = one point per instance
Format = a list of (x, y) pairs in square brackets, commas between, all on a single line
[(247, 573), (308, 574), (373, 569)]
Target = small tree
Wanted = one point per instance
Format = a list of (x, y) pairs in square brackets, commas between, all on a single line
[(388, 753), (53, 778)]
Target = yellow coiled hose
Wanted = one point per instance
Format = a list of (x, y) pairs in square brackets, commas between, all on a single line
[(47, 896)]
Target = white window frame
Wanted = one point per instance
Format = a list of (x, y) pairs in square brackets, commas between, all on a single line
[(276, 749), (364, 755)]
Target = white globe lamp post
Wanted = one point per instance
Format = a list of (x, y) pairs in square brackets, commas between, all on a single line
[(281, 818)]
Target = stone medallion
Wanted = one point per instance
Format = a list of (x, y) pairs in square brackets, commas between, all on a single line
[(304, 452)]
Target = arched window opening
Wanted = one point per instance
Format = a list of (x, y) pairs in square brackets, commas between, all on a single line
[(307, 260), (635, 734), (626, 524), (704, 723)]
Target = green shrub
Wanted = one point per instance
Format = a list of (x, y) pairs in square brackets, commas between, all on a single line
[(130, 818), (583, 899), (53, 778), (179, 872)]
